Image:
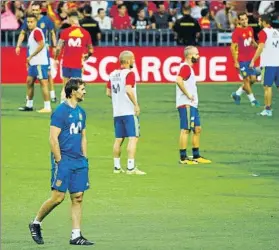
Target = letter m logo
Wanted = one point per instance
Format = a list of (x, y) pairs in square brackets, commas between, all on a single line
[(275, 44), (74, 42)]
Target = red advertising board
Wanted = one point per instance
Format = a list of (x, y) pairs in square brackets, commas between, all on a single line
[(153, 65)]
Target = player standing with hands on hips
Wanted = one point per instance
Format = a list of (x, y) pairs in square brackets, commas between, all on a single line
[(268, 49), (69, 161), (122, 90), (187, 105)]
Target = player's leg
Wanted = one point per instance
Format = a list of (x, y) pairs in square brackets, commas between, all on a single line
[(35, 226), (30, 92), (252, 77), (50, 80), (43, 77), (237, 94), (184, 116), (268, 76), (119, 130), (132, 128), (196, 127), (79, 183), (51, 88)]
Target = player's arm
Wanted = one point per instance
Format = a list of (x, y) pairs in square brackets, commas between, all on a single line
[(254, 43), (59, 47), (54, 143), (90, 50), (20, 41), (130, 84), (53, 38), (234, 48), (84, 143), (108, 89)]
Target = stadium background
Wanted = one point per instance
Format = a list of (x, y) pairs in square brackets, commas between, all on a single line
[(231, 204)]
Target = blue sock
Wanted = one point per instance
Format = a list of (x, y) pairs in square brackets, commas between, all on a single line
[(196, 152), (183, 154)]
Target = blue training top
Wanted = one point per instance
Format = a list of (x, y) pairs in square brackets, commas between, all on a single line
[(71, 121)]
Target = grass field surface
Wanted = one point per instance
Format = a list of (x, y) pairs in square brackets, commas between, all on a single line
[(231, 204)]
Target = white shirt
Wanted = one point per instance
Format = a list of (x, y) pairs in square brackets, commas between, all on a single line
[(104, 24), (270, 54), (121, 103), (98, 5), (41, 58), (190, 86)]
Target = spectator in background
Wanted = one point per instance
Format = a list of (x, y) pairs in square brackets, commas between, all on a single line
[(252, 19), (266, 7), (141, 22), (103, 20), (96, 5), (114, 9), (91, 25), (226, 18), (204, 21), (215, 6), (187, 28), (161, 19), (122, 21), (62, 11), (18, 10), (8, 19), (196, 10)]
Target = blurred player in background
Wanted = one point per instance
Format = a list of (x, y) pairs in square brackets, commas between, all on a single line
[(122, 90), (268, 50), (69, 161), (187, 105), (242, 48), (47, 26), (78, 47), (37, 65)]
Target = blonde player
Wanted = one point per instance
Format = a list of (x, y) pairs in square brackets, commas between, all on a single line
[(268, 49), (122, 90), (187, 105), (37, 65)]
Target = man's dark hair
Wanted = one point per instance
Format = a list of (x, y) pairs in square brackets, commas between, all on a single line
[(99, 10), (204, 12), (186, 8), (139, 10), (73, 84), (266, 19), (31, 16), (73, 14), (120, 6), (241, 14), (37, 3), (250, 7), (87, 9)]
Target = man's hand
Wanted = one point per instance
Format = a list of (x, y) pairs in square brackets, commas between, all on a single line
[(137, 110), (53, 51), (192, 98), (251, 64), (236, 65), (28, 60), (17, 51)]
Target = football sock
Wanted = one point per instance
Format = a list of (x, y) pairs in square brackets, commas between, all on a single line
[(240, 91), (196, 152), (251, 97), (131, 164), (117, 163), (52, 94), (29, 103), (75, 233), (47, 105), (37, 222), (183, 154)]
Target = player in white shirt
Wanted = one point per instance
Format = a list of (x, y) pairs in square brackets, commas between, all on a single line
[(268, 49), (37, 63), (187, 105), (122, 90)]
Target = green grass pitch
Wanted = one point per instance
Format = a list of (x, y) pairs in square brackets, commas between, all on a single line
[(230, 204)]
